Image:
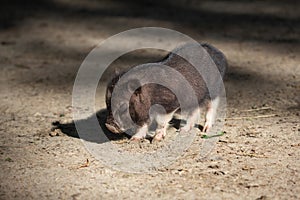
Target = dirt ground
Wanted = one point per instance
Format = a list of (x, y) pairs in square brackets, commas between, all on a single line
[(42, 45)]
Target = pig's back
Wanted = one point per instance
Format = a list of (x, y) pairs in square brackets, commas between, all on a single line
[(191, 73)]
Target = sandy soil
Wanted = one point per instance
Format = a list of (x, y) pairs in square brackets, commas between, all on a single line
[(42, 45)]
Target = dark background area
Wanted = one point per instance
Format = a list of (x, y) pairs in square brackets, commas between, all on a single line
[(272, 21)]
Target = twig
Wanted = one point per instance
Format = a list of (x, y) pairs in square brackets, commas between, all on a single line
[(251, 117), (295, 145), (256, 109), (250, 155), (122, 142), (86, 164), (253, 155)]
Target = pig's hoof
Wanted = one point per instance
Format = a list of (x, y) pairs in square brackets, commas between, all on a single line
[(159, 135), (158, 138), (207, 127), (135, 139)]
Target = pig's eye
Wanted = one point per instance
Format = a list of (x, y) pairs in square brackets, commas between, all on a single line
[(123, 107)]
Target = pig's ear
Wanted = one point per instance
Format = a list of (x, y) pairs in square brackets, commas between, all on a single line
[(133, 85), (116, 72)]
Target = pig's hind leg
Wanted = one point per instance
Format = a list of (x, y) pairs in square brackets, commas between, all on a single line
[(211, 114), (192, 119)]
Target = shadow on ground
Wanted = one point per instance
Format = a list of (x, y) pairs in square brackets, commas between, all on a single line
[(231, 24), (213, 20), (70, 129)]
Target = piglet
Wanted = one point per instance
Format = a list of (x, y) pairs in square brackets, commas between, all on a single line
[(144, 96)]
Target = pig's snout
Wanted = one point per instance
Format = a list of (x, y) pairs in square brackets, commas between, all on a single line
[(113, 127)]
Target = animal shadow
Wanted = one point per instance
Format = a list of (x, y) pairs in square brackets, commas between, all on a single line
[(70, 129), (177, 123)]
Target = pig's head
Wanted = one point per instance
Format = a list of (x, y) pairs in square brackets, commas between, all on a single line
[(117, 120)]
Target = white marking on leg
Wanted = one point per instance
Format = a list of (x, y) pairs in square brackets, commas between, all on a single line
[(192, 119), (141, 133), (162, 124), (211, 114)]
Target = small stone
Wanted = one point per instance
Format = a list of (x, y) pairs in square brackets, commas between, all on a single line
[(213, 166), (219, 173), (54, 133), (263, 197), (37, 114)]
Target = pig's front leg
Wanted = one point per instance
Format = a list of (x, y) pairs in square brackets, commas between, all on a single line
[(160, 134), (162, 125), (211, 114), (141, 133)]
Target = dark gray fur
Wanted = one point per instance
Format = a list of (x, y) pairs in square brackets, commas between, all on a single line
[(149, 94)]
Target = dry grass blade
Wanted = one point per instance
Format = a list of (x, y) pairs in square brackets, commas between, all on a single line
[(257, 109), (251, 117)]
